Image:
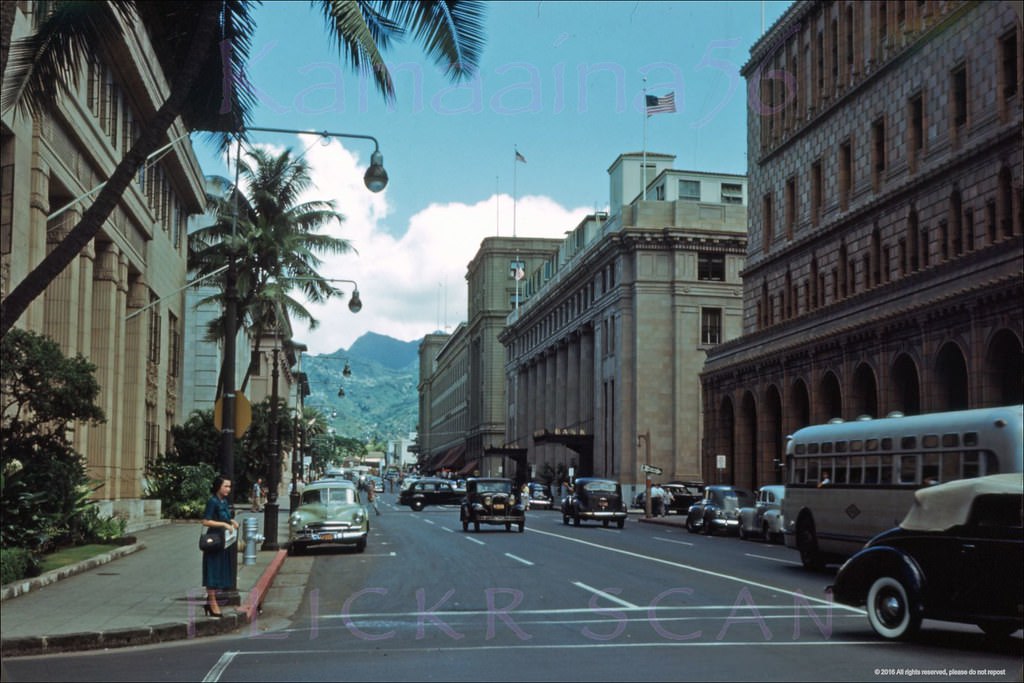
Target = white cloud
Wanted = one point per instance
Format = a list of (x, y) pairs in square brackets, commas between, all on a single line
[(414, 284)]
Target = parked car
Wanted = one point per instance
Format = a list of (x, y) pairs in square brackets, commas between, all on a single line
[(540, 496), (684, 494), (491, 501), (330, 512), (718, 510), (593, 499), (764, 519), (430, 491), (957, 556)]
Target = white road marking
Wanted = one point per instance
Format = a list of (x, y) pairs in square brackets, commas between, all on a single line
[(606, 596), (475, 540), (773, 559), (519, 559), (220, 667), (671, 540)]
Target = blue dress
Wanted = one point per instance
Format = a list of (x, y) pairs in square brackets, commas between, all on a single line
[(217, 566)]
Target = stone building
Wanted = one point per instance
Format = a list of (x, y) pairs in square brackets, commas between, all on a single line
[(884, 265), (119, 304), (603, 357)]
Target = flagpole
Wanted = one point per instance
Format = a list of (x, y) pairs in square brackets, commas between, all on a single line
[(515, 195), (644, 162), (497, 208)]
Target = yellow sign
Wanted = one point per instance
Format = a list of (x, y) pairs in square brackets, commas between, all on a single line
[(243, 414)]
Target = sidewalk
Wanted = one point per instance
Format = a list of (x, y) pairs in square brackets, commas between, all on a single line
[(148, 592)]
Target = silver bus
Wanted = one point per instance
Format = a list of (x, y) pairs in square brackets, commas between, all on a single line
[(848, 481)]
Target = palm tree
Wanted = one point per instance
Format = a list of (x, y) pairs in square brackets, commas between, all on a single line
[(184, 35)]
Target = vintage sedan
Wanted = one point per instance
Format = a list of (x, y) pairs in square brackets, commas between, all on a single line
[(330, 512), (764, 519), (719, 510), (957, 556), (491, 501), (597, 500), (431, 491), (540, 496)]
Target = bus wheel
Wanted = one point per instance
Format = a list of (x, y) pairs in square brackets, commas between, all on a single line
[(807, 544), (890, 610)]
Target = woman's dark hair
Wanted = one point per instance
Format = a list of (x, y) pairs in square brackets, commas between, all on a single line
[(217, 482)]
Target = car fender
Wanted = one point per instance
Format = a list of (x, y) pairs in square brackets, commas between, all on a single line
[(854, 579)]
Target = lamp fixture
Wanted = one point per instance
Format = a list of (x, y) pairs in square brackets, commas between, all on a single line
[(347, 372), (341, 392), (355, 304), (375, 178)]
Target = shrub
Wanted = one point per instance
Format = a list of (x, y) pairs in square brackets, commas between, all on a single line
[(15, 564), (183, 489)]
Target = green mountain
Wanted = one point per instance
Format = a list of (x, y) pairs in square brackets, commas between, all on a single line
[(380, 399)]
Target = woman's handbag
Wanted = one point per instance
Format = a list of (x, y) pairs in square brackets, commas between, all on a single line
[(211, 541)]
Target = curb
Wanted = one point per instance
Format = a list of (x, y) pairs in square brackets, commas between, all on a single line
[(149, 635), (23, 586)]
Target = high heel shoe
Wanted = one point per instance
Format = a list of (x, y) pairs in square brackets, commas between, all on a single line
[(209, 611)]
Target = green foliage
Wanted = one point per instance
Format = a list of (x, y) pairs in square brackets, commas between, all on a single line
[(15, 564), (198, 440), (45, 488), (182, 489)]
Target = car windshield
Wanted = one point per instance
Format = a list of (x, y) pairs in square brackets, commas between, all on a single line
[(493, 487), (600, 486), (333, 496)]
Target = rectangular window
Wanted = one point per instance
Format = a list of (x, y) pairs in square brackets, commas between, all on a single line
[(816, 192), (790, 207), (915, 127), (711, 267), (173, 346), (877, 152), (154, 331), (767, 221), (1008, 65), (845, 174), (689, 189), (958, 85), (711, 326), (732, 193)]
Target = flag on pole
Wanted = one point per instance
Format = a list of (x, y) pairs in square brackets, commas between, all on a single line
[(520, 273), (520, 157), (661, 105)]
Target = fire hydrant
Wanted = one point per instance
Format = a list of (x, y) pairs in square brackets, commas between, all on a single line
[(250, 527)]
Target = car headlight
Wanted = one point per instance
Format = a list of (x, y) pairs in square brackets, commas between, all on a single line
[(359, 517)]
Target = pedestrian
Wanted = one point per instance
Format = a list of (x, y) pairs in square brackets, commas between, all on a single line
[(257, 492), (657, 501), (371, 497), (525, 496), (217, 573)]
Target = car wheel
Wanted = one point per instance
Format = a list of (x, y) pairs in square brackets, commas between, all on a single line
[(891, 612), (766, 534), (605, 524), (416, 505), (361, 546), (690, 526), (622, 524), (743, 532), (706, 528), (508, 526), (998, 629), (522, 526), (296, 549)]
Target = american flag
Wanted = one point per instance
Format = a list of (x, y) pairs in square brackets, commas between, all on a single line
[(520, 157), (661, 105)]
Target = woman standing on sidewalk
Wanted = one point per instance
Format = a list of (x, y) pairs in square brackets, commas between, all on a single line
[(217, 565)]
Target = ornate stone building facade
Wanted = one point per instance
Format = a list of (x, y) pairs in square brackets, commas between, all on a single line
[(884, 266), (119, 304), (604, 355)]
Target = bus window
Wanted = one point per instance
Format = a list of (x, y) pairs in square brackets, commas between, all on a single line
[(931, 472), (950, 440), (886, 444), (950, 466), (971, 439), (800, 449), (908, 443), (798, 471), (826, 447), (812, 448), (812, 471), (871, 469), (886, 469), (840, 446), (839, 471), (856, 446), (971, 465), (908, 469), (872, 444), (857, 470), (930, 441)]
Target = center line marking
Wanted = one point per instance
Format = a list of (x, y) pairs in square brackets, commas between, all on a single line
[(606, 596), (519, 559)]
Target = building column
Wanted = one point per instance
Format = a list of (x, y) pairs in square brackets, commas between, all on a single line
[(106, 314), (137, 400)]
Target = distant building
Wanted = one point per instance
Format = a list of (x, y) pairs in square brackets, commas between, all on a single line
[(885, 259)]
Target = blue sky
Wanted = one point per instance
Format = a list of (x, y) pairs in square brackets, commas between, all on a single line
[(561, 81)]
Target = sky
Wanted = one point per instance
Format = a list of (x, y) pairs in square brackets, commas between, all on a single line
[(561, 82)]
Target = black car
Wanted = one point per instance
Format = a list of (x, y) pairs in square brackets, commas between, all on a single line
[(593, 499), (683, 494), (540, 496), (719, 509), (491, 501), (424, 492), (957, 556)]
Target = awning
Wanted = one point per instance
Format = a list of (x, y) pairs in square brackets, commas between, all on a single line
[(470, 467), (450, 458)]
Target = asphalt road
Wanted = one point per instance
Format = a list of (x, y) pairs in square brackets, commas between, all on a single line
[(427, 601)]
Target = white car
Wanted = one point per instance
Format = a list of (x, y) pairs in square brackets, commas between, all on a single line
[(764, 519)]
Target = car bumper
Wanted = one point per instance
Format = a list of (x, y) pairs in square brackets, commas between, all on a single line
[(725, 523), (601, 514), (342, 536)]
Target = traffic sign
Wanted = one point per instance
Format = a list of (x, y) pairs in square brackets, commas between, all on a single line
[(243, 414), (650, 469)]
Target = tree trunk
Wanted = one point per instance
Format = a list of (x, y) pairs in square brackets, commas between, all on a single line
[(153, 133)]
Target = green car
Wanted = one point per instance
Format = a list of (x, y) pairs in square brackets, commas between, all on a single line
[(330, 512)]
